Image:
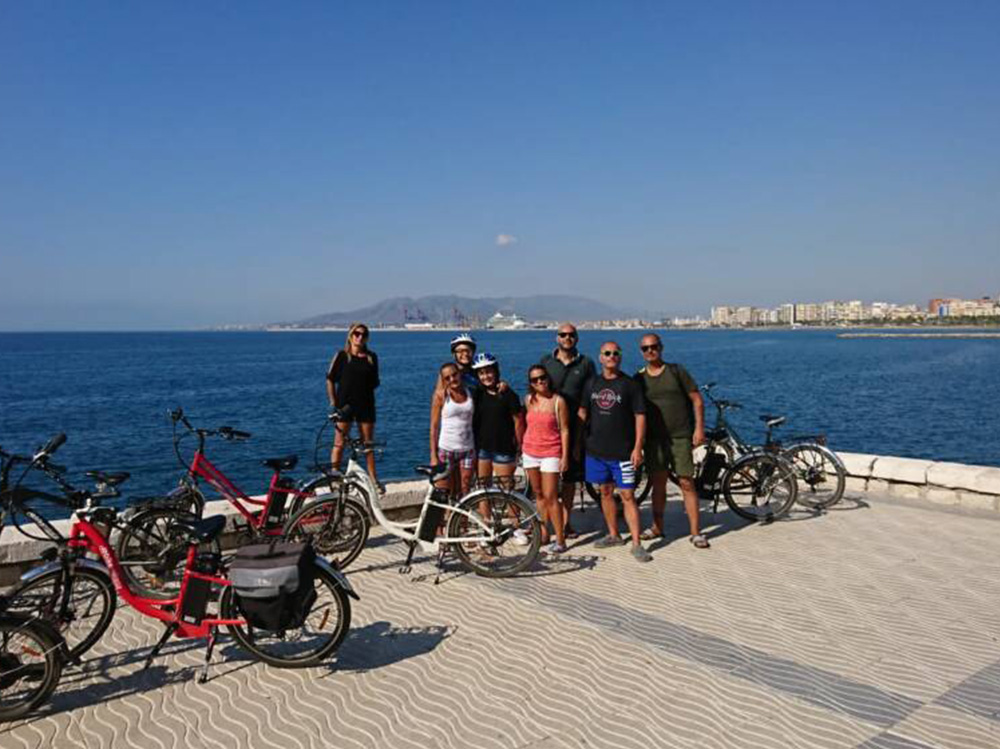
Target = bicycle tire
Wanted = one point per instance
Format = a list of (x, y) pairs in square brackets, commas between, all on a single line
[(31, 665), (152, 551), (341, 544), (758, 477), (642, 487), (41, 598), (821, 477), (268, 646), (485, 558)]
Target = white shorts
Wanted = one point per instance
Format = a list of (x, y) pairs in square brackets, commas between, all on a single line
[(547, 465)]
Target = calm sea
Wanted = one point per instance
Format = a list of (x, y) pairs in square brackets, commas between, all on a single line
[(110, 392)]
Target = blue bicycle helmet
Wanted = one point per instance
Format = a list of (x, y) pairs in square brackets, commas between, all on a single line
[(485, 359)]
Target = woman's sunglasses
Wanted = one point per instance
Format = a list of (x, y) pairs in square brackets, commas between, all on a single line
[(359, 334), (540, 378)]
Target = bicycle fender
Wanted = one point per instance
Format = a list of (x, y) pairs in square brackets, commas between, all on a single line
[(44, 569), (339, 576)]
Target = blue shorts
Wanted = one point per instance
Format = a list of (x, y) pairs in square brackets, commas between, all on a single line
[(499, 458), (621, 473)]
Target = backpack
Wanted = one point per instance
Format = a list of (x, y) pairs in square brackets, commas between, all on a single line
[(274, 584)]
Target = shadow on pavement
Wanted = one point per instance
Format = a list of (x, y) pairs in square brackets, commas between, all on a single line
[(382, 643)]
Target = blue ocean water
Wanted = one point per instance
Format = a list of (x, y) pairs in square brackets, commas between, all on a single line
[(110, 392)]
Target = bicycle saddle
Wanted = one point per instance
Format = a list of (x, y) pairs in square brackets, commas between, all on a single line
[(111, 478), (286, 463), (204, 530), (432, 471), (772, 421)]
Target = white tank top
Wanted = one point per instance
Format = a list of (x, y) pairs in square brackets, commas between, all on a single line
[(456, 425)]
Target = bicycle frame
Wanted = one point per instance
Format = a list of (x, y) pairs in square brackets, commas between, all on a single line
[(86, 538), (407, 530)]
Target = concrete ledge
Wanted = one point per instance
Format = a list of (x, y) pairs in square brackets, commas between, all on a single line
[(949, 484)]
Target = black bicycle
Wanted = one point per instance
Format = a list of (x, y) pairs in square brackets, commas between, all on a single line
[(31, 662)]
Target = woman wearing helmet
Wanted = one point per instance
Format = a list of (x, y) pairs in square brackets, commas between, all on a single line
[(498, 423), (463, 347)]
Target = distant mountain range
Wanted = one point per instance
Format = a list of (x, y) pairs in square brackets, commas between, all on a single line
[(467, 312)]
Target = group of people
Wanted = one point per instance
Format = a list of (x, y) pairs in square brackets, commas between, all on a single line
[(578, 422)]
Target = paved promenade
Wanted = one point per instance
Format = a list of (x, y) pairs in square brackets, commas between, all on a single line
[(876, 626)]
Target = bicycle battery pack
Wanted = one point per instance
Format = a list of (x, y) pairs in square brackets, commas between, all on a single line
[(429, 523), (198, 591), (279, 498)]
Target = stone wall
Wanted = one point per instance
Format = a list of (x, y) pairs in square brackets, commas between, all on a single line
[(953, 484)]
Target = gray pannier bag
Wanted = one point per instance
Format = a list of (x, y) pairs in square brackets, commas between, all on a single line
[(274, 584)]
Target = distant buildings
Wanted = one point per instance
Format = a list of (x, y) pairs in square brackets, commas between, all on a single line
[(854, 312)]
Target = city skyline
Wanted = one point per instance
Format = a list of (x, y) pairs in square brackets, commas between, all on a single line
[(175, 167)]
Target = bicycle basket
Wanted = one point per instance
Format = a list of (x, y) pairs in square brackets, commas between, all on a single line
[(274, 584)]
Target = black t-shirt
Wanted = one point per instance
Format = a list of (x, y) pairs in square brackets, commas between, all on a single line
[(493, 420), (354, 379), (611, 408)]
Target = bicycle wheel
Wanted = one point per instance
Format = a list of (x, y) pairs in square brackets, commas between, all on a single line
[(30, 665), (642, 487), (820, 475), (337, 528), (498, 550), (152, 550), (759, 488), (321, 633), (89, 608)]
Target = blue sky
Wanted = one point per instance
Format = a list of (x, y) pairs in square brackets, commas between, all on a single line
[(184, 164)]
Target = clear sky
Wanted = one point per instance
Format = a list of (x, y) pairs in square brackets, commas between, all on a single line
[(178, 164)]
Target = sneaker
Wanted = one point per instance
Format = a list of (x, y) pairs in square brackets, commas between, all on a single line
[(606, 542), (640, 553), (519, 538), (554, 548)]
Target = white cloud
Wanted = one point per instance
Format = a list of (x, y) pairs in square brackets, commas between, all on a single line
[(506, 239)]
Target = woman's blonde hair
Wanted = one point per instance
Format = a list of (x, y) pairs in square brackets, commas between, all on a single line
[(350, 332)]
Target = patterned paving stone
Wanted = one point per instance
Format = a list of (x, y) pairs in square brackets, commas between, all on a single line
[(872, 626)]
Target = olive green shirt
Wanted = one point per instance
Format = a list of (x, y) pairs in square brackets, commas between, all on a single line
[(669, 411)]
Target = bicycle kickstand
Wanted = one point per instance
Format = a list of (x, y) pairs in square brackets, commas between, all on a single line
[(203, 676), (170, 629), (407, 565), (440, 563)]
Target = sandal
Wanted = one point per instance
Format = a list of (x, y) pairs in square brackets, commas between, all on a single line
[(700, 541), (650, 534)]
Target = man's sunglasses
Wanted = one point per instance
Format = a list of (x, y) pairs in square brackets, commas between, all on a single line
[(567, 335), (615, 354), (651, 347)]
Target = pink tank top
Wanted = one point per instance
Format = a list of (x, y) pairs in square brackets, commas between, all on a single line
[(541, 438)]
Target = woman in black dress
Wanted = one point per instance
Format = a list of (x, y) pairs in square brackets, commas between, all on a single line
[(350, 382)]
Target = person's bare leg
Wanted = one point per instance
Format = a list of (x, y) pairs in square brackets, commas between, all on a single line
[(659, 481), (504, 473), (367, 430), (557, 513), (541, 500), (566, 496), (691, 505), (631, 514), (339, 431), (609, 509)]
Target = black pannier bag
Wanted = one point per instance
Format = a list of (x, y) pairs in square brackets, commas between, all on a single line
[(274, 584)]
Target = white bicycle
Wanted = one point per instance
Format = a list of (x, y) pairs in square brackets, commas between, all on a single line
[(492, 531)]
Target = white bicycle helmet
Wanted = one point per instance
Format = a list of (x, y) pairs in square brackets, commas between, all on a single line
[(484, 360), (463, 339)]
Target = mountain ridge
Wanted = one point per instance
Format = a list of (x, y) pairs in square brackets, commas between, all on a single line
[(451, 309)]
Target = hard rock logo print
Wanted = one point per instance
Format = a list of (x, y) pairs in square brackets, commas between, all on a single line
[(606, 399)]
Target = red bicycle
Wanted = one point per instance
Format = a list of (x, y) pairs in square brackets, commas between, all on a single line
[(71, 591), (153, 544)]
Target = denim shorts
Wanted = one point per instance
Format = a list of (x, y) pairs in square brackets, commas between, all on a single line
[(621, 473), (499, 458)]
